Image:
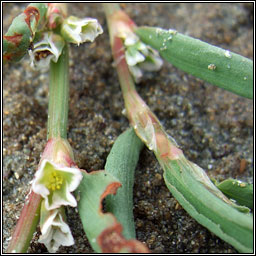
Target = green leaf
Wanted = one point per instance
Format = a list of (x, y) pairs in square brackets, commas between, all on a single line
[(241, 192), (121, 162), (91, 189), (102, 229), (217, 66), (21, 33), (203, 202)]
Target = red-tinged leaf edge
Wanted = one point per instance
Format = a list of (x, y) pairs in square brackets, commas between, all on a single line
[(103, 230), (111, 240)]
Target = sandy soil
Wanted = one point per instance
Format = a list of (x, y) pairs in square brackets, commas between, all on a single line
[(213, 127)]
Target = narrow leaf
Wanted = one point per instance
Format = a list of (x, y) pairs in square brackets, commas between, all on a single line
[(217, 66), (205, 205), (241, 192), (121, 162)]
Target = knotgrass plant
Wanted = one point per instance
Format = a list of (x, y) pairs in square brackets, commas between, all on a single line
[(57, 175), (45, 31), (188, 182)]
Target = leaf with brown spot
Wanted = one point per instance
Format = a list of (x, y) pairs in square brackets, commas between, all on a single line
[(15, 39), (32, 17), (111, 240), (21, 32), (102, 229)]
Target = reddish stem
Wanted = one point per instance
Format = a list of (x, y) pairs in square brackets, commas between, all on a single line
[(26, 225), (124, 75)]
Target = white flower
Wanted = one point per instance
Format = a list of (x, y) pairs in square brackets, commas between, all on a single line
[(77, 31), (136, 73), (55, 231), (139, 56), (55, 184), (45, 50), (153, 61), (133, 56), (57, 175)]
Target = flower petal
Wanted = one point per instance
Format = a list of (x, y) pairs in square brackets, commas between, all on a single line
[(133, 56), (47, 49), (55, 231), (55, 184), (152, 63), (136, 73), (130, 40), (60, 197), (139, 55), (77, 31)]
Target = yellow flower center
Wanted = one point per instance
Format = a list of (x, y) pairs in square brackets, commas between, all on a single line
[(55, 181)]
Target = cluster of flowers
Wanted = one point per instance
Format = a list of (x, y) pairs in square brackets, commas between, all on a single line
[(73, 30), (140, 56)]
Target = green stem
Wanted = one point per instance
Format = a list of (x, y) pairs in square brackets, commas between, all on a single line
[(58, 97), (26, 225)]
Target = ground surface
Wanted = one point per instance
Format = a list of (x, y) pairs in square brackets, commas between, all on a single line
[(213, 127)]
